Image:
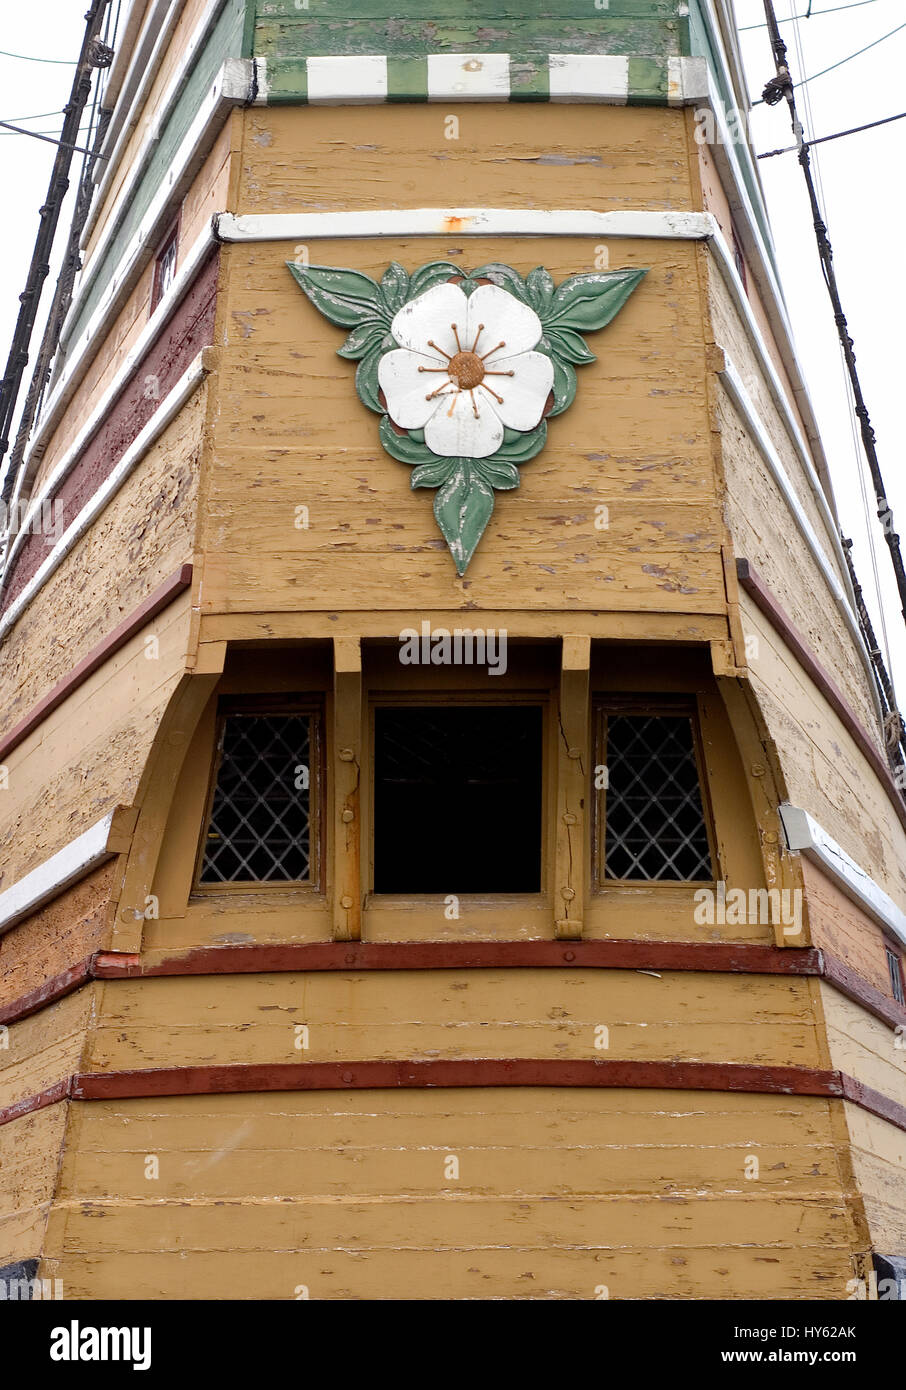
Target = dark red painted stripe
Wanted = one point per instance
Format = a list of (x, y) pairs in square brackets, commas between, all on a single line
[(61, 1090), (875, 1102), (384, 1075), (53, 989), (469, 955), (599, 955), (338, 1076), (764, 600), (858, 989), (121, 634)]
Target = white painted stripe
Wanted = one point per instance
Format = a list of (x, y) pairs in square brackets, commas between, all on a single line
[(159, 421), (347, 81), (805, 834), (69, 864), (228, 88), (150, 333), (468, 77), (741, 399), (577, 77), (188, 159), (727, 266), (293, 226)]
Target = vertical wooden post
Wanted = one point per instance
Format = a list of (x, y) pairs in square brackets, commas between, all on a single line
[(573, 772), (345, 772)]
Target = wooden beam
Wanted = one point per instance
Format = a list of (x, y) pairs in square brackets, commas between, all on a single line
[(155, 798), (573, 770), (345, 769)]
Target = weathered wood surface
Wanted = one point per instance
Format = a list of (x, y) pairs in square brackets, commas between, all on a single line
[(207, 194), (45, 1048), (558, 1193), (148, 120), (879, 1162), (863, 1046), (840, 927), (61, 935), (367, 26), (29, 1162), (202, 1020), (824, 770)]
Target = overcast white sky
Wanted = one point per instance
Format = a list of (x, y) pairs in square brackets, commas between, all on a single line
[(863, 181)]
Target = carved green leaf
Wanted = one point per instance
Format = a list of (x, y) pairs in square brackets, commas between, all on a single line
[(366, 376), (540, 285), (395, 286), (505, 278), (403, 446), (569, 345), (463, 508), (432, 474), (587, 302), (496, 472), (363, 339), (565, 382), (427, 276), (345, 297), (519, 448)]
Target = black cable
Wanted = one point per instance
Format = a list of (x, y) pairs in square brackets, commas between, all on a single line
[(811, 14), (823, 139), (27, 58), (848, 59), (36, 135), (780, 88), (92, 55)]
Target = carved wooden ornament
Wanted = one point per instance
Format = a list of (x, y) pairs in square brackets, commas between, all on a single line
[(465, 368)]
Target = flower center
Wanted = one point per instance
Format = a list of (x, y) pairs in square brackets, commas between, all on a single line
[(467, 370)]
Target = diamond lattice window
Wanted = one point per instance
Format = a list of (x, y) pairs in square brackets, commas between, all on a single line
[(653, 815), (259, 829)]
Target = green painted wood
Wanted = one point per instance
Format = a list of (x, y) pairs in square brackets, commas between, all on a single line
[(471, 13), (304, 33), (407, 79), (224, 42), (648, 82), (626, 27)]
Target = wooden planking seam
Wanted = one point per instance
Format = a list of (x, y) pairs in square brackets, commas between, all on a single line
[(705, 957), (474, 1073), (768, 605), (149, 608)]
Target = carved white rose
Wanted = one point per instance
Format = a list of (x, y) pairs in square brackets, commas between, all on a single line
[(465, 369)]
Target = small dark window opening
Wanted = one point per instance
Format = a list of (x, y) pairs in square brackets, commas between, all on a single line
[(653, 816), (739, 259), (457, 799), (895, 970), (259, 828), (165, 266)]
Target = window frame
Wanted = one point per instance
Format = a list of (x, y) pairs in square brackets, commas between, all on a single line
[(262, 704), (895, 974), (169, 241), (602, 705), (542, 699)]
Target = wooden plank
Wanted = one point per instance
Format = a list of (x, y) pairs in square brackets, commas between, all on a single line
[(346, 775), (574, 771)]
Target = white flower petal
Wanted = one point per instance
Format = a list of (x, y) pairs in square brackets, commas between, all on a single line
[(431, 316), (405, 387), (454, 431), (525, 393), (505, 319)]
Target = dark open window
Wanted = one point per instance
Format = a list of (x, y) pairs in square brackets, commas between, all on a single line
[(260, 824), (650, 815), (165, 265), (457, 799), (895, 970)]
